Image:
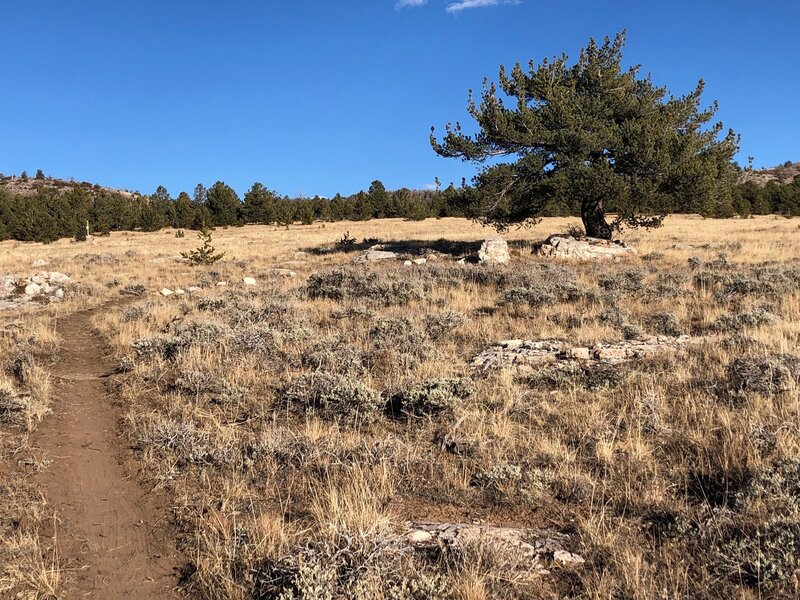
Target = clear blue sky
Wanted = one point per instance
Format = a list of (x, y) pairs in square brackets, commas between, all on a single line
[(315, 97)]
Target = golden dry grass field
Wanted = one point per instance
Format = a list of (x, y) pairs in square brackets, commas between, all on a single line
[(296, 427)]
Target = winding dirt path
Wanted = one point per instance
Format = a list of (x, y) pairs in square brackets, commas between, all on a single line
[(110, 534)]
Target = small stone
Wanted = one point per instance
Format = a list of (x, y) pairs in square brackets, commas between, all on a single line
[(407, 263), (461, 261), (419, 536), (578, 353), (249, 280), (179, 292), (512, 344), (420, 261), (59, 293), (494, 250), (609, 354), (564, 557), (39, 262), (222, 283), (32, 289), (283, 272), (192, 289), (166, 292)]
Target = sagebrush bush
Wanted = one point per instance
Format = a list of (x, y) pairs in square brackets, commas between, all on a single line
[(440, 324), (755, 317), (336, 397), (497, 477), (770, 374), (663, 323), (356, 284), (629, 281), (436, 396), (13, 406)]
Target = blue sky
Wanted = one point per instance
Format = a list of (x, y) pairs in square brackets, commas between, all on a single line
[(314, 97)]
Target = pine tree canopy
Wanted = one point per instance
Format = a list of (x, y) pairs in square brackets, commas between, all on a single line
[(595, 135)]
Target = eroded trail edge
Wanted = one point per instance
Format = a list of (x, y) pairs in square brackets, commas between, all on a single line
[(108, 531)]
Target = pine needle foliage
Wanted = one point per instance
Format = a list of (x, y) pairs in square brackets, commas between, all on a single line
[(594, 135), (205, 253)]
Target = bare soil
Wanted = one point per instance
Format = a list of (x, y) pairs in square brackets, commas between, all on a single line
[(110, 534)]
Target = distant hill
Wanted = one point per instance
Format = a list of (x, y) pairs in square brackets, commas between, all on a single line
[(27, 187), (783, 174)]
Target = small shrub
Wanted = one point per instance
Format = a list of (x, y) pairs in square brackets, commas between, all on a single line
[(254, 339), (766, 556), (438, 325), (347, 283), (625, 281), (663, 323), (435, 396), (758, 316), (774, 490), (133, 289), (335, 397), (13, 407), (613, 315), (137, 313), (211, 304), (205, 253), (498, 477), (333, 355), (631, 331), (764, 375)]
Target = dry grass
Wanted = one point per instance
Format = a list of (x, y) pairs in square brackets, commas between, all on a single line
[(298, 423)]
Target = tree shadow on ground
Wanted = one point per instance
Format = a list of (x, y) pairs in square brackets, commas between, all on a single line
[(441, 246)]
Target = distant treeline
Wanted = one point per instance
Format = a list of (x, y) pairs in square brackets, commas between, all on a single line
[(50, 214)]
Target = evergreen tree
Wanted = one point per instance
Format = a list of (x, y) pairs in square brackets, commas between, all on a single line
[(259, 205), (378, 199), (200, 194), (223, 204), (595, 132), (183, 212), (305, 212)]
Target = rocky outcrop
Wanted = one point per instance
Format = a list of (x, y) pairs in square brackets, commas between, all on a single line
[(527, 354), (42, 288), (494, 251), (565, 246), (532, 551)]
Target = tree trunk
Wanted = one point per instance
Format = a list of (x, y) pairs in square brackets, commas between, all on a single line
[(594, 220)]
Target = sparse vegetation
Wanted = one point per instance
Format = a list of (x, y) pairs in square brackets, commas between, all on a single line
[(296, 425)]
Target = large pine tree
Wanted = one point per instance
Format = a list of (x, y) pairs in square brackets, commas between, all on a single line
[(594, 134)]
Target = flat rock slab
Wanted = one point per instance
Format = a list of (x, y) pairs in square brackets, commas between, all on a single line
[(522, 354), (568, 247), (373, 255)]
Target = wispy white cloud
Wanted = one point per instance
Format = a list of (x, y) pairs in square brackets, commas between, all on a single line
[(403, 3), (457, 7)]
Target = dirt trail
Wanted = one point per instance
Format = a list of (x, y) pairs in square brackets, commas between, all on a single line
[(110, 533)]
